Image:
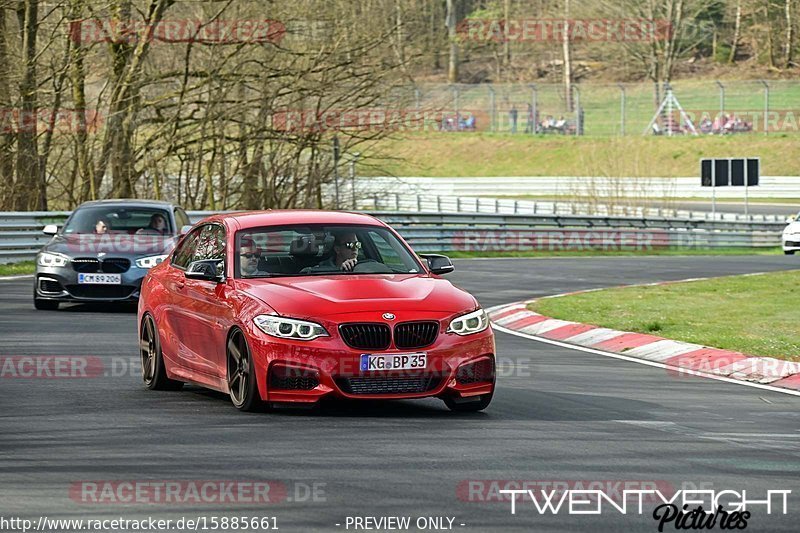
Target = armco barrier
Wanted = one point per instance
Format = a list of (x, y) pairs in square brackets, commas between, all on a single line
[(21, 232)]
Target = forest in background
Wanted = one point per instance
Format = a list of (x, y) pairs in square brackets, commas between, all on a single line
[(188, 100)]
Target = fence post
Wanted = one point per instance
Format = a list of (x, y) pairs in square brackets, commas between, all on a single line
[(455, 105), (534, 108), (622, 109), (492, 109), (721, 98), (766, 106)]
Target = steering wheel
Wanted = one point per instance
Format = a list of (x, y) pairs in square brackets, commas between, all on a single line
[(371, 266)]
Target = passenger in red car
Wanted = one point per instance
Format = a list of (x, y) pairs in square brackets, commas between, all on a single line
[(249, 255)]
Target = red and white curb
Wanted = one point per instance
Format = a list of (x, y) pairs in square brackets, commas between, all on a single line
[(682, 358)]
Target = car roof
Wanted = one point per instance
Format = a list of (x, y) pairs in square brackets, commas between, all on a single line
[(127, 202), (281, 217)]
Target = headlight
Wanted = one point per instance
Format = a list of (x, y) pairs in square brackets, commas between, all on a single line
[(46, 259), (151, 261), (289, 328), (470, 323)]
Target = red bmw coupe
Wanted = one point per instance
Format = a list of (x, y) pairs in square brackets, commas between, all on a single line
[(284, 308)]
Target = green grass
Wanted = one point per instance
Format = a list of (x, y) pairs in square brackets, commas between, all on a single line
[(755, 315), (14, 269), (432, 154)]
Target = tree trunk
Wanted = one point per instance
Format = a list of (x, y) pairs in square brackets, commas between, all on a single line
[(433, 32), (117, 151), (737, 32), (77, 76), (452, 66), (789, 44), (28, 193), (506, 29), (6, 137), (567, 58), (770, 40)]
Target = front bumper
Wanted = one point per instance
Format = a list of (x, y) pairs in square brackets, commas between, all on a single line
[(61, 284), (304, 373), (791, 243)]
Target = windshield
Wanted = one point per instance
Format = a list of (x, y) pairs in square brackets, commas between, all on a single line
[(322, 250), (101, 220)]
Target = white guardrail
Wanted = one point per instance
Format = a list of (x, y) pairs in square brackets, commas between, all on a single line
[(602, 187), (21, 232)]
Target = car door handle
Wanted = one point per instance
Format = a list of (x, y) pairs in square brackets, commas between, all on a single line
[(180, 285)]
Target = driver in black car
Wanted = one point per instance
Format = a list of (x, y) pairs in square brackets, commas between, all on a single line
[(345, 249)]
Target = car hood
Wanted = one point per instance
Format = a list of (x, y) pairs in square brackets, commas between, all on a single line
[(110, 245), (792, 228), (321, 296)]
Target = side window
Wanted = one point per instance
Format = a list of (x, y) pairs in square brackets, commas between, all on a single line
[(210, 243), (185, 251), (181, 218)]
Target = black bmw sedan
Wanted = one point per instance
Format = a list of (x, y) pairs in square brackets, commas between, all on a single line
[(104, 250)]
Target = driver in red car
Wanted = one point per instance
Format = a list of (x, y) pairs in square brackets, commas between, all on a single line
[(345, 248)]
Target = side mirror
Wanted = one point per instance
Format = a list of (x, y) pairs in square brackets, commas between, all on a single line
[(439, 264), (789, 220), (205, 270), (185, 229), (50, 229)]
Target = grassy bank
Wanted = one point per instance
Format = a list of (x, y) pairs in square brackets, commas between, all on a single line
[(15, 269), (487, 154), (755, 315)]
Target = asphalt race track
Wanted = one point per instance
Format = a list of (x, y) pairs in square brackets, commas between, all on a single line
[(558, 415)]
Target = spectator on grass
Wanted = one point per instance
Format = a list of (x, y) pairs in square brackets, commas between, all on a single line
[(513, 115)]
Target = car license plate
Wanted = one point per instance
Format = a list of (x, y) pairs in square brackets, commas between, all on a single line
[(100, 279), (394, 361)]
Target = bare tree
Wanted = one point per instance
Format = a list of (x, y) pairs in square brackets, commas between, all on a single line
[(566, 47), (452, 64), (789, 42)]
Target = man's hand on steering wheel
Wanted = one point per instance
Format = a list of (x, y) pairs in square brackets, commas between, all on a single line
[(349, 265)]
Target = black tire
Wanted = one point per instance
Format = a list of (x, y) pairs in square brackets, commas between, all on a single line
[(242, 384), (474, 406), (789, 252), (154, 375), (45, 305)]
